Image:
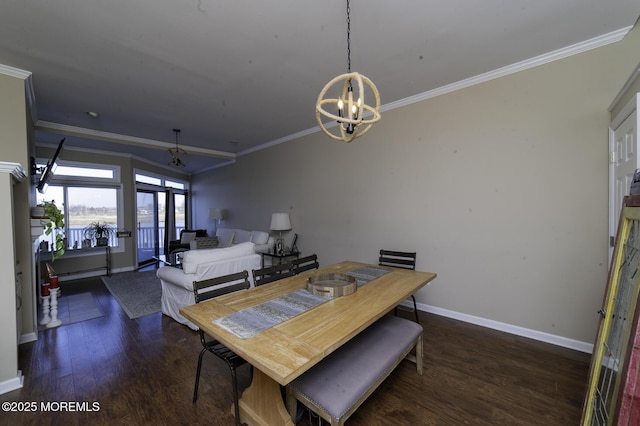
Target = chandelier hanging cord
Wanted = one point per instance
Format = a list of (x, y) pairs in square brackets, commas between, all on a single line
[(348, 37)]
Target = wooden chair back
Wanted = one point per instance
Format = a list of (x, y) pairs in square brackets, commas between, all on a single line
[(398, 259), (305, 263), (272, 273), (214, 287)]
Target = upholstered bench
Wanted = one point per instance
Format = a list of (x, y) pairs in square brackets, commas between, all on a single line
[(336, 386)]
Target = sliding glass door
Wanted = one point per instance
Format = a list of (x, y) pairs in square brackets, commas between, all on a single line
[(149, 226), (152, 220)]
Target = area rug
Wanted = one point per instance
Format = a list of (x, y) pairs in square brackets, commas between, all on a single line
[(138, 293), (75, 308)]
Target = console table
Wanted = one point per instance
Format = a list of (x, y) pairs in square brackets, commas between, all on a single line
[(43, 256), (273, 255)]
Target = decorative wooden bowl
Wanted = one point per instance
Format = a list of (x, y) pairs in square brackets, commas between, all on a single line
[(331, 285)]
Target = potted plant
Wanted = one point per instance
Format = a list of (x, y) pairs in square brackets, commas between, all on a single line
[(54, 223), (100, 231)]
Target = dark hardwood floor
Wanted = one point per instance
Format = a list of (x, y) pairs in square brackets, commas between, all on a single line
[(141, 372)]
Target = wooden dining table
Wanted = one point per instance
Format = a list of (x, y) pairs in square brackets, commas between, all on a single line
[(283, 352)]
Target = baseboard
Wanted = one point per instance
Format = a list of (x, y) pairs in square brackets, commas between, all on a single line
[(89, 274), (12, 384), (509, 328), (28, 337)]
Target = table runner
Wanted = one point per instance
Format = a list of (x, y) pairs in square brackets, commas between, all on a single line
[(367, 273), (251, 321)]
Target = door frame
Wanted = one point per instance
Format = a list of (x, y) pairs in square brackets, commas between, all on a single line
[(614, 204)]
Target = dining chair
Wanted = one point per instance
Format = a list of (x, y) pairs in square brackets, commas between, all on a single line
[(272, 273), (306, 263), (400, 259), (205, 290)]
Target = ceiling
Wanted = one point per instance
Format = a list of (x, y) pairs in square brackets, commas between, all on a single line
[(238, 75)]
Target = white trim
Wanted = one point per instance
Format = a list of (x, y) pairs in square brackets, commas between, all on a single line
[(217, 166), (28, 86), (81, 132), (565, 52), (115, 154), (92, 274), (509, 328), (15, 169), (28, 337), (281, 140), (546, 58), (59, 178), (12, 384), (625, 112), (630, 81), (162, 178), (14, 72)]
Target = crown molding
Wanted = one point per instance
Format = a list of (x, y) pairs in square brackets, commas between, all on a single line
[(28, 81), (630, 82), (546, 58), (278, 141), (110, 153), (15, 169), (81, 132), (14, 72), (217, 166)]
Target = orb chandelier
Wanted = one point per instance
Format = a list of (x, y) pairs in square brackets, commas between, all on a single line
[(350, 105), (177, 156)]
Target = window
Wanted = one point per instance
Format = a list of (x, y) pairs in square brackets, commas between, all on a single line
[(152, 214), (85, 172), (160, 181), (86, 193)]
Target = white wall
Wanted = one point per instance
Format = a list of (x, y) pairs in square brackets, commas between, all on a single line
[(14, 228), (501, 188)]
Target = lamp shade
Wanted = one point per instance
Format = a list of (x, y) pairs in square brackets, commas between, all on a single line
[(215, 214), (280, 222)]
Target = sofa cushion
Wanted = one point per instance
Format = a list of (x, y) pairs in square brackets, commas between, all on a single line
[(259, 237), (191, 259), (209, 270), (241, 236), (187, 237), (225, 237)]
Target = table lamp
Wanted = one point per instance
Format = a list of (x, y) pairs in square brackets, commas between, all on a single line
[(216, 215), (280, 222)]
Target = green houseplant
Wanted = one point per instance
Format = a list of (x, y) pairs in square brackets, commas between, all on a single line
[(54, 225), (99, 231)]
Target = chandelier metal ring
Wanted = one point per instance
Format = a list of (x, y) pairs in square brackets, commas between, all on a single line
[(177, 156), (351, 107), (361, 118)]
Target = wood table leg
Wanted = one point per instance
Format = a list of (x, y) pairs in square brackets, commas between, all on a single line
[(261, 403)]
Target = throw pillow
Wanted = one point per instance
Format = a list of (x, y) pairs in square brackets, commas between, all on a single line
[(204, 243), (187, 237), (225, 236), (259, 237), (241, 236)]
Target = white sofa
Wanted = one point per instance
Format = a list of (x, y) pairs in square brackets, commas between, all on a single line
[(199, 265), (229, 236)]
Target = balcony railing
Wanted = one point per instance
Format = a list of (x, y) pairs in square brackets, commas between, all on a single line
[(145, 235)]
